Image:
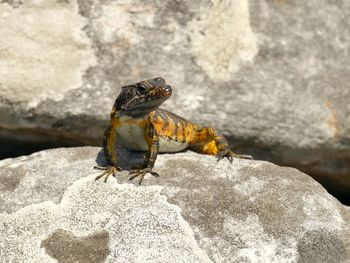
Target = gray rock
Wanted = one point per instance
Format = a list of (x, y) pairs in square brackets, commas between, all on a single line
[(198, 210), (272, 75)]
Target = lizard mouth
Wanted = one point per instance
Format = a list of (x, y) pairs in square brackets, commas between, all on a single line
[(144, 103)]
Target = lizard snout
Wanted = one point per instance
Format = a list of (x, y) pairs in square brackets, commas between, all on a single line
[(167, 91)]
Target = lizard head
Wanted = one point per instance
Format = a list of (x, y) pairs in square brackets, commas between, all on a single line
[(142, 97)]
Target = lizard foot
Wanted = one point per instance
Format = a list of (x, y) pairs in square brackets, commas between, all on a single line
[(230, 155), (109, 170), (142, 172)]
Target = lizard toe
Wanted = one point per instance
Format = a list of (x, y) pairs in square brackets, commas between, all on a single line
[(141, 173), (108, 171), (230, 155)]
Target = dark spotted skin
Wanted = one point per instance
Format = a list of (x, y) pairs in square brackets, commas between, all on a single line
[(138, 123)]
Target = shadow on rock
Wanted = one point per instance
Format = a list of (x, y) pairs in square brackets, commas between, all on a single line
[(126, 159)]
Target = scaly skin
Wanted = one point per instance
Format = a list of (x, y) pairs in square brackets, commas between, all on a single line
[(138, 123)]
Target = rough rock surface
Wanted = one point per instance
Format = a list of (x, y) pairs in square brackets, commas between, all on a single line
[(272, 75), (198, 210)]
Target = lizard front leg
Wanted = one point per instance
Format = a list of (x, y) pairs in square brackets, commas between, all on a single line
[(109, 142), (152, 140)]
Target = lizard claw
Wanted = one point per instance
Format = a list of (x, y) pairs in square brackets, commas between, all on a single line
[(109, 170), (142, 172), (230, 155)]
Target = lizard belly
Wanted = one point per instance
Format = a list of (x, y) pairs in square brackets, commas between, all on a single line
[(168, 145), (131, 136)]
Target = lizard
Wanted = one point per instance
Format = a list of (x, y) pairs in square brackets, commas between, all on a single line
[(138, 124)]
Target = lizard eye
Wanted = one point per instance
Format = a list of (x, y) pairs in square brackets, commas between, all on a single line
[(142, 88)]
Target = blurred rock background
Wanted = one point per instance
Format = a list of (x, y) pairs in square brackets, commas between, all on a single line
[(273, 76)]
